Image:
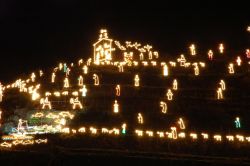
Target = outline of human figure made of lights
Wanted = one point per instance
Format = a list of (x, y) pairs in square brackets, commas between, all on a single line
[(96, 79), (165, 70), (219, 94), (84, 90), (116, 107), (164, 107), (80, 80), (231, 68), (118, 90), (20, 127), (140, 118), (223, 85), (53, 76), (237, 122), (169, 94), (210, 55), (175, 84), (137, 80), (181, 123), (66, 82), (75, 102), (45, 102)]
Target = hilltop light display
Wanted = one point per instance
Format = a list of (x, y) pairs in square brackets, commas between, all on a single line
[(73, 88)]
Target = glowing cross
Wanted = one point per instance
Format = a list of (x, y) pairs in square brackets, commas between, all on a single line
[(165, 70), (231, 68), (219, 94), (238, 61), (118, 90), (181, 123), (175, 84), (96, 78), (75, 102), (84, 90), (221, 48), (210, 55), (237, 122), (116, 107), (80, 80), (53, 77), (163, 105), (223, 85), (66, 82), (170, 94), (192, 49), (137, 79), (140, 118)]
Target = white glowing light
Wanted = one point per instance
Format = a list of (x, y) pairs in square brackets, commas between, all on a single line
[(140, 118), (181, 123), (80, 80), (240, 138), (192, 49), (238, 60), (196, 70), (248, 53), (118, 90), (33, 76), (53, 76), (174, 132), (163, 106), (150, 133), (170, 94), (75, 103), (193, 136), (221, 48), (160, 133), (210, 55), (175, 84), (137, 80), (116, 107), (40, 73), (93, 130), (230, 137), (45, 102), (96, 79), (66, 83), (223, 85), (139, 133), (165, 70), (182, 60), (217, 137), (84, 90), (219, 94), (231, 68), (85, 69)]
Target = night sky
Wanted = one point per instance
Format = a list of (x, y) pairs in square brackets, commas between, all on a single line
[(35, 35)]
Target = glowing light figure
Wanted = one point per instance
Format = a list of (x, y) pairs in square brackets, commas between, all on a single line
[(53, 76), (163, 106), (105, 130), (139, 133), (156, 54), (85, 69), (96, 79), (173, 64), (150, 133), (182, 135), (137, 80), (221, 48), (33, 77), (67, 72), (210, 55), (65, 93), (6, 145), (66, 82), (80, 80), (219, 94), (35, 95), (60, 66), (93, 130), (76, 103), (75, 93), (248, 28), (181, 123), (45, 102), (116, 107), (150, 55), (65, 67), (140, 118), (38, 115), (193, 136), (1, 92), (80, 62), (238, 60), (118, 90), (248, 139), (160, 133), (237, 123), (120, 67), (202, 64), (82, 130), (57, 94), (0, 117), (217, 137), (141, 56), (231, 68), (165, 70), (240, 138), (65, 130), (196, 70), (223, 85), (230, 138), (84, 91), (248, 53), (128, 58), (170, 94), (182, 60), (124, 126), (175, 84), (40, 73), (89, 61), (21, 127), (192, 49), (174, 132)]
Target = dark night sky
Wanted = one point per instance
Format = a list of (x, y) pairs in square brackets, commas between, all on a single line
[(36, 35)]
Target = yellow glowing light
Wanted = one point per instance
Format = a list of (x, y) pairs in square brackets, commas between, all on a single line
[(39, 141), (118, 90), (85, 69), (248, 139), (174, 132), (248, 53), (75, 93), (83, 90), (230, 137), (203, 64), (192, 49), (150, 133), (6, 145), (231, 68), (170, 94), (96, 79), (57, 94), (120, 67), (67, 71), (182, 135), (210, 55), (60, 66), (33, 76), (76, 103), (141, 56), (116, 107), (1, 92), (40, 73), (65, 130), (163, 106), (124, 127), (182, 60), (105, 130), (173, 64), (217, 137), (139, 133), (165, 70), (238, 60), (82, 130), (219, 94), (80, 62), (204, 135), (137, 80), (65, 93), (47, 94), (45, 102), (35, 95), (140, 118), (38, 115), (93, 130), (223, 85), (240, 138), (193, 136), (160, 133), (221, 48), (175, 84), (196, 70), (66, 82), (181, 123)]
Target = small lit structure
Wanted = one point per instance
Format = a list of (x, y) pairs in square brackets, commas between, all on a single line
[(231, 68), (181, 123), (66, 82), (170, 94), (175, 84), (140, 118), (137, 80), (116, 107), (163, 106)]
